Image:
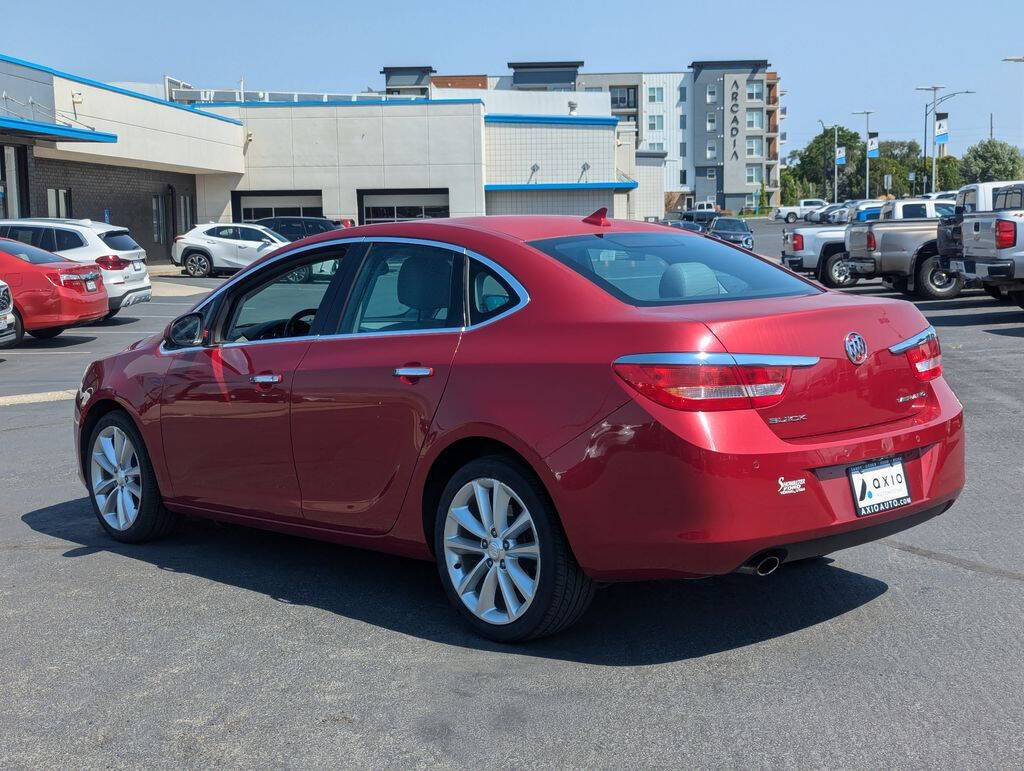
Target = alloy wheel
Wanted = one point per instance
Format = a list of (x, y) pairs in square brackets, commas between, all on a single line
[(492, 551), (196, 265), (840, 272), (941, 280), (116, 478)]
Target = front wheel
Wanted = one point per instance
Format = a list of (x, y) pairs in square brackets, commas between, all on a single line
[(198, 265), (502, 556), (301, 275), (932, 282), (835, 273), (122, 485)]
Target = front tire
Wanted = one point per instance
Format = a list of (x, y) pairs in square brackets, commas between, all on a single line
[(197, 265), (502, 555), (934, 283), (122, 486)]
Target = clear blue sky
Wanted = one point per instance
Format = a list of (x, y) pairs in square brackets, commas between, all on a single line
[(833, 58)]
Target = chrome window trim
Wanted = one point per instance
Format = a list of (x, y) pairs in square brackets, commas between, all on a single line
[(703, 357), (524, 296), (913, 342)]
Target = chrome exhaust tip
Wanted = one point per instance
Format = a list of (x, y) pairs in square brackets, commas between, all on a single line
[(762, 565)]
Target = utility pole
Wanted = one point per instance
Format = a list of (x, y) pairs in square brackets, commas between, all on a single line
[(835, 164), (990, 125), (935, 90), (867, 160)]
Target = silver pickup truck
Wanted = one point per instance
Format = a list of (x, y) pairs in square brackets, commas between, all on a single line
[(820, 252), (902, 251), (993, 244)]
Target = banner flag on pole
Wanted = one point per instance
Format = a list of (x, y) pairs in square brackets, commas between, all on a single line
[(872, 144), (840, 156), (941, 128)]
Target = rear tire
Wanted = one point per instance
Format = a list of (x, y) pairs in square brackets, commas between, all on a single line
[(933, 283), (996, 293), (111, 314), (122, 486), (46, 334), (791, 218), (835, 274), (197, 265), (530, 582)]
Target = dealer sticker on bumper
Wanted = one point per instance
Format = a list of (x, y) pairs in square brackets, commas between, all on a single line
[(879, 486)]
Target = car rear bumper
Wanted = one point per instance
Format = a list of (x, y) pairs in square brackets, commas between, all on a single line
[(642, 500), (797, 262), (996, 270), (67, 308), (132, 297), (862, 266)]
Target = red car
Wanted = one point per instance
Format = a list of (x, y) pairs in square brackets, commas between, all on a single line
[(539, 403), (50, 293)]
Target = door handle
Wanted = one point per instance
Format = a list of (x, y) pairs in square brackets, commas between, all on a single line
[(413, 371), (265, 379)]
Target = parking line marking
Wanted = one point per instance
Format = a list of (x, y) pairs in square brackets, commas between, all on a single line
[(36, 398)]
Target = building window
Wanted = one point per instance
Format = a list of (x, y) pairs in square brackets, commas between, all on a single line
[(682, 93), (712, 121), (682, 149), (755, 119), (655, 122), (682, 176), (754, 173), (755, 91), (750, 201), (755, 147), (656, 95), (711, 173), (159, 220), (712, 150), (659, 146), (682, 122), (373, 214), (593, 89), (712, 94), (58, 202), (623, 97)]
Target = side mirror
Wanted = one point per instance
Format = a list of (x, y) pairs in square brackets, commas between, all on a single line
[(186, 331), (958, 212)]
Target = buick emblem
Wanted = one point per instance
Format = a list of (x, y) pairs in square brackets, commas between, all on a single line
[(856, 348)]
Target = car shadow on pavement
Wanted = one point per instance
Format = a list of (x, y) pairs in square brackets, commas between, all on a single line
[(627, 625), (66, 339)]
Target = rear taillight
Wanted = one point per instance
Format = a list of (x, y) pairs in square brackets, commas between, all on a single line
[(872, 244), (924, 354), (1006, 234), (178, 238), (74, 279), (798, 242), (112, 262), (707, 387)]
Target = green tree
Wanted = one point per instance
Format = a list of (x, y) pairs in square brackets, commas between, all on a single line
[(991, 160), (815, 162), (762, 202), (903, 152), (788, 186), (948, 172)]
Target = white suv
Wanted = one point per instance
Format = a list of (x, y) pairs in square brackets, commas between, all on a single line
[(120, 259), (216, 246), (8, 332)]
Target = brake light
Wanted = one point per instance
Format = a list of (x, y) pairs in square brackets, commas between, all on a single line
[(112, 262), (926, 358), (872, 244), (798, 242), (73, 278), (707, 387), (178, 238), (1006, 234)]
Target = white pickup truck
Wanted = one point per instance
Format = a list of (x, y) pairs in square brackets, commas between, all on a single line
[(793, 213), (819, 251)]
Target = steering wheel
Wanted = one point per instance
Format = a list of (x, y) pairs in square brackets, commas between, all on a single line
[(296, 327)]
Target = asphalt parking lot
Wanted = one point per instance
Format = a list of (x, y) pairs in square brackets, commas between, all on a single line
[(223, 646)]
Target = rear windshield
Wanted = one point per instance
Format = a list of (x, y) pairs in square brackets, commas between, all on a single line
[(671, 268), (28, 253), (120, 240)]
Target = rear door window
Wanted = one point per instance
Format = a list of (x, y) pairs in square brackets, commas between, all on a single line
[(649, 269), (229, 232), (120, 240), (35, 235), (290, 229)]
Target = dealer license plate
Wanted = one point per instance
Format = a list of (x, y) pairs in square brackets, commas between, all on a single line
[(90, 286), (137, 265), (879, 486), (957, 266)]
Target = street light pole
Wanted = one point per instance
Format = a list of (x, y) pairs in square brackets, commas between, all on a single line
[(867, 160), (835, 160), (935, 90)]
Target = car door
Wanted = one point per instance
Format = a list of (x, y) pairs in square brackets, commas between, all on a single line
[(364, 398), (251, 245), (222, 243), (225, 405)]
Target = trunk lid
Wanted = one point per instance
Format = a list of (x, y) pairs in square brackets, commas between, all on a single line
[(834, 394), (978, 233)]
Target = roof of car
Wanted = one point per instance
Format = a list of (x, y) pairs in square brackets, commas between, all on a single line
[(99, 227), (520, 227)]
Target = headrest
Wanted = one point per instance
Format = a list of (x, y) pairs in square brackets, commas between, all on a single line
[(424, 282), (688, 279)]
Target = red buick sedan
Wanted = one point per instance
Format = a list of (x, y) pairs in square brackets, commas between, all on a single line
[(50, 293), (537, 403)]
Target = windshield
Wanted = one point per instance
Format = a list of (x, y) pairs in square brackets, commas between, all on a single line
[(671, 268), (731, 225), (27, 253)]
